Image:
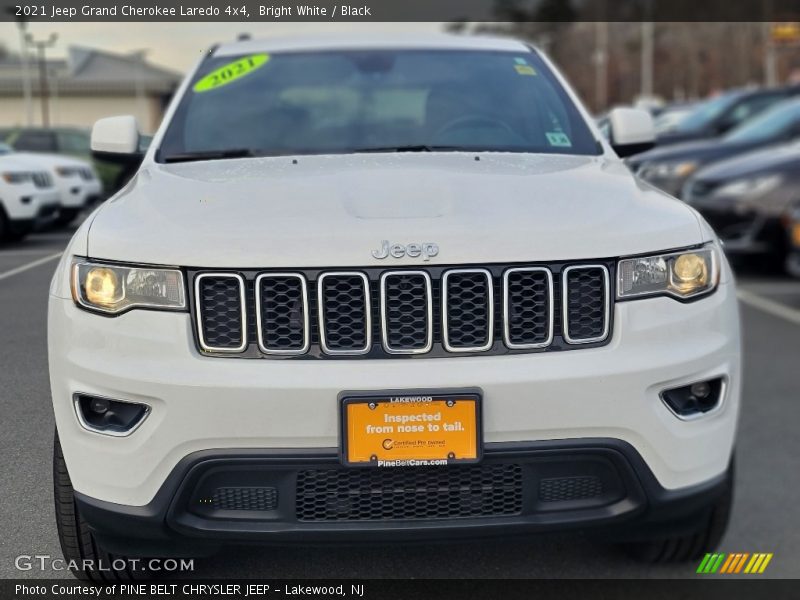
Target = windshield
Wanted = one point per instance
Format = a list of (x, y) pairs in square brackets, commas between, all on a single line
[(379, 100), (773, 123), (706, 112)]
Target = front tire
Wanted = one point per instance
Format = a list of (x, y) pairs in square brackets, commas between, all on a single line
[(682, 548), (87, 559)]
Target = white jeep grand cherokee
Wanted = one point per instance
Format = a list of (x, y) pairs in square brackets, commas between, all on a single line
[(390, 288)]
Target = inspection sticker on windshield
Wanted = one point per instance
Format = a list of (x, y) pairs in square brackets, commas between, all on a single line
[(558, 138), (231, 72), (525, 69)]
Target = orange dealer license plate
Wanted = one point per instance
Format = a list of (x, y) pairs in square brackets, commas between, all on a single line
[(411, 430)]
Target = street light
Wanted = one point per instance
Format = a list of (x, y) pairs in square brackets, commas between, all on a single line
[(41, 49), (26, 74)]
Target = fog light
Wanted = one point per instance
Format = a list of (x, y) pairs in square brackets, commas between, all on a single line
[(696, 399), (107, 416), (98, 405)]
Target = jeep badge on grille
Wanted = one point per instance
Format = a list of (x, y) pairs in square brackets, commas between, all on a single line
[(426, 250)]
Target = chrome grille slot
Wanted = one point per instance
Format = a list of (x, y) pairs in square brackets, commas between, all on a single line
[(406, 312), (586, 303), (528, 307), (345, 324), (282, 313), (221, 316), (468, 310), (41, 179)]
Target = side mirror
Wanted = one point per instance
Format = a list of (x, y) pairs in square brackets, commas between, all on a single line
[(116, 136), (632, 131)]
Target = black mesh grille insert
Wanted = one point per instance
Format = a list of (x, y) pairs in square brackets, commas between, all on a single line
[(407, 494), (563, 489), (528, 307), (586, 303), (344, 309), (406, 308), (468, 309), (220, 308), (283, 313), (245, 498)]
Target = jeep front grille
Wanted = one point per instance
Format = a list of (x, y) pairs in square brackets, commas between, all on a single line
[(384, 313), (42, 179)]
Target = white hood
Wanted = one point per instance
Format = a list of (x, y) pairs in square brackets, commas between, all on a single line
[(332, 211)]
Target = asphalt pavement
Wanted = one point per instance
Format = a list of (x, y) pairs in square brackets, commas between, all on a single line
[(765, 516)]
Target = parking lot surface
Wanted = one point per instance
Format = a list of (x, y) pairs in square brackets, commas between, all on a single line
[(764, 518)]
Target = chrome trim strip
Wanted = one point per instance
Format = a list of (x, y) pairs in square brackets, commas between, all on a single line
[(490, 336), (429, 297), (321, 313), (723, 392), (198, 311), (550, 308), (76, 405), (306, 321), (565, 303)]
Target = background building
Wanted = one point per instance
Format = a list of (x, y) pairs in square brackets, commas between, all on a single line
[(87, 85)]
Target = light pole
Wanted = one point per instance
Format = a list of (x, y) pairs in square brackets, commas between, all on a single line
[(41, 49), (138, 82), (26, 74)]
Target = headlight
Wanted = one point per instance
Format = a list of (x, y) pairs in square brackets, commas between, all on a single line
[(114, 289), (68, 171), (668, 170), (681, 274), (16, 177), (751, 186)]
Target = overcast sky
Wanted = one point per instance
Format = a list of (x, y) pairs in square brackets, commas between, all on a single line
[(177, 45)]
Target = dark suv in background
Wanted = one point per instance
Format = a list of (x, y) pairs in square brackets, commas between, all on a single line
[(724, 112)]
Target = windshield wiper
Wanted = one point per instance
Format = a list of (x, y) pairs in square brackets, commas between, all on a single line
[(409, 148), (209, 155)]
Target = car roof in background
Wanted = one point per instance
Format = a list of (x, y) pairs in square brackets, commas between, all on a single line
[(370, 42)]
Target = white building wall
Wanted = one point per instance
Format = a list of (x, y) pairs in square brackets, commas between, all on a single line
[(83, 111)]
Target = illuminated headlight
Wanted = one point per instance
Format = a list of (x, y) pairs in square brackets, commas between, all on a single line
[(68, 171), (668, 170), (16, 177), (681, 274), (752, 186), (115, 289)]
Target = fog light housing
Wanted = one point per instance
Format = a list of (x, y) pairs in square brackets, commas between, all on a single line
[(108, 416), (696, 399)]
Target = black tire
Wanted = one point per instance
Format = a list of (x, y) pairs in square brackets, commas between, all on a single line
[(693, 546), (3, 225), (78, 544)]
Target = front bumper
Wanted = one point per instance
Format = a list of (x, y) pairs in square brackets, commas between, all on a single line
[(307, 496), (78, 193), (201, 403)]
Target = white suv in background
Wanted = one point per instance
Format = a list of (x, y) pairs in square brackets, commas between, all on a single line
[(76, 181), (27, 197), (388, 289)]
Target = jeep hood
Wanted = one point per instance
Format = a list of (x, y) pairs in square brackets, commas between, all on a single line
[(329, 211)]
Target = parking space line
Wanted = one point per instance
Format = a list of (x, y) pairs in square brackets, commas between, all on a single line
[(766, 305), (30, 265)]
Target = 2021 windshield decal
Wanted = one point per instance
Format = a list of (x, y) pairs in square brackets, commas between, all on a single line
[(231, 72)]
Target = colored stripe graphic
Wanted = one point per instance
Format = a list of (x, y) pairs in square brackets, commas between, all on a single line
[(727, 565), (734, 563), (740, 566), (764, 564), (704, 563)]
